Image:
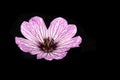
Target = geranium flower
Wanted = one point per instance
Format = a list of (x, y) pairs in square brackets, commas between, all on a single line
[(51, 43)]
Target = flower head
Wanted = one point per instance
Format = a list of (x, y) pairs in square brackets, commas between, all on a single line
[(51, 43)]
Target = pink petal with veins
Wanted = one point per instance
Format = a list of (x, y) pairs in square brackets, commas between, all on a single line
[(56, 27), (39, 26), (73, 42), (68, 33), (49, 57), (59, 55), (26, 45), (41, 55)]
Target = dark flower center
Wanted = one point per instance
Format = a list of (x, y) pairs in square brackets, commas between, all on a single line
[(48, 46)]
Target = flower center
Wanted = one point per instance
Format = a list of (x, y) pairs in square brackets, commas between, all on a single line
[(48, 46)]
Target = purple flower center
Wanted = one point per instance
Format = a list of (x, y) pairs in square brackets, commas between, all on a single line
[(48, 46)]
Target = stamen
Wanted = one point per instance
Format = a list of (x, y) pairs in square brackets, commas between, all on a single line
[(48, 46)]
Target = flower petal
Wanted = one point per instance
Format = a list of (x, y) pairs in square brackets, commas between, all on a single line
[(27, 31), (73, 42), (56, 27), (41, 55), (48, 57), (68, 33), (39, 26), (59, 55), (26, 45), (34, 30)]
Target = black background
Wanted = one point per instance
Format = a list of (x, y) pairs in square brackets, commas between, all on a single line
[(83, 14)]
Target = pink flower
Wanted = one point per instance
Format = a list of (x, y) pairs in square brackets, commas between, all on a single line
[(51, 43)]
